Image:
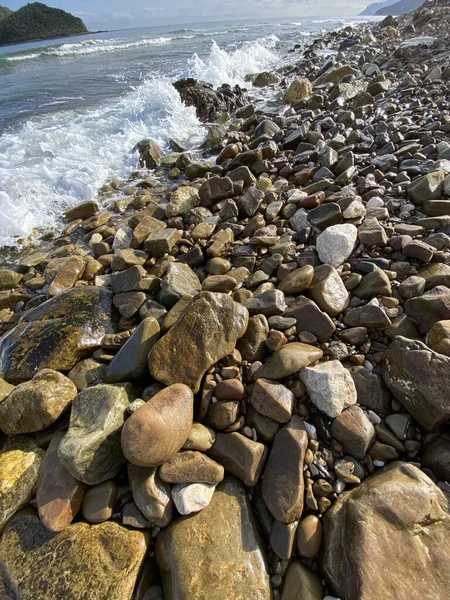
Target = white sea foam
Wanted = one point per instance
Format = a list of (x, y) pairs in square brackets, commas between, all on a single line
[(62, 159), (233, 66)]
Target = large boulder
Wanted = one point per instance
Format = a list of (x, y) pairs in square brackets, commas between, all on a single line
[(91, 449), (216, 553), (20, 461), (36, 404), (99, 562), (418, 376), (209, 103), (205, 333), (56, 334), (389, 538)]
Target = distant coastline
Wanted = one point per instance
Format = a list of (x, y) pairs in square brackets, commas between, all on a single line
[(54, 37)]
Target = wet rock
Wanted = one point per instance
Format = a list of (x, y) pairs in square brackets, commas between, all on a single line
[(273, 400), (191, 467), (330, 387), (90, 449), (56, 334), (212, 322), (161, 241), (428, 309), (374, 523), (416, 375), (252, 345), (290, 359), (131, 362), (59, 495), (183, 199), (240, 456), (41, 565), (354, 431), (230, 562), (283, 484), (297, 281), (150, 154), (99, 501), (20, 461), (36, 404), (150, 494), (9, 279), (179, 281), (209, 103), (157, 430)]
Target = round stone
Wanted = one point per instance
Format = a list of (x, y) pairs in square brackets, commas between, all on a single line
[(309, 536), (158, 430)]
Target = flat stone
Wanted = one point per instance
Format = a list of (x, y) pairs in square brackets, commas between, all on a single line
[(9, 279), (428, 309), (310, 318), (215, 189), (336, 243), (212, 322), (158, 429), (99, 501), (240, 456), (90, 449), (282, 538), (68, 274), (376, 283), (182, 200), (56, 334), (39, 565), (436, 274), (427, 187), (273, 400), (161, 241), (371, 391), (229, 389), (290, 359), (417, 376), (192, 497), (131, 362), (36, 404), (20, 461), (179, 280), (151, 494), (59, 495), (438, 338), (372, 233), (283, 484), (328, 291), (191, 467), (267, 303), (297, 281), (376, 526), (252, 345), (354, 431), (370, 316), (325, 215), (250, 201), (330, 387), (229, 561)]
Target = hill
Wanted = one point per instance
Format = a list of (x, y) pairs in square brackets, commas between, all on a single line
[(400, 8), (37, 21), (372, 9), (5, 12)]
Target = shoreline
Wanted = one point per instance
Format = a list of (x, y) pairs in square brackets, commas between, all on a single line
[(55, 37), (254, 333)]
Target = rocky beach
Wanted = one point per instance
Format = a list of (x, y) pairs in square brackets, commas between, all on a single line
[(226, 377)]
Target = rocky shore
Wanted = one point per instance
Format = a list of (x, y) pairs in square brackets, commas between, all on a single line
[(227, 378)]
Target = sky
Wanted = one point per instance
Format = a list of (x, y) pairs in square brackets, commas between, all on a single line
[(121, 14)]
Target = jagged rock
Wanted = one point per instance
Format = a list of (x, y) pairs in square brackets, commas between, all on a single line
[(209, 103)]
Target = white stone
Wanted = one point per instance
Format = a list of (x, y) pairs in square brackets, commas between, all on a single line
[(375, 202), (192, 497), (354, 210), (182, 200), (330, 387), (122, 239), (336, 243)]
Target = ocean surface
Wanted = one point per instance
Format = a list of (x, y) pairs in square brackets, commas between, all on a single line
[(72, 109)]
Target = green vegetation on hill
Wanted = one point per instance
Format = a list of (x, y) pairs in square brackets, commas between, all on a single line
[(37, 21), (5, 12)]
